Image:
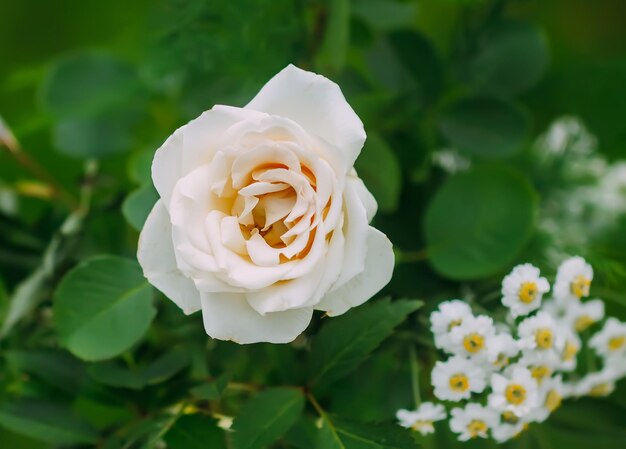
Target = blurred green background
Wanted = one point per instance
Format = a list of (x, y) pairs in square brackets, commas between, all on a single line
[(91, 89)]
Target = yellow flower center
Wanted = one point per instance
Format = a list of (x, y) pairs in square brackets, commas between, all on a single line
[(580, 286), (473, 343), (603, 389), (454, 323), (423, 425), (476, 428), (544, 338), (540, 372), (501, 361), (515, 394), (553, 400), (510, 418), (617, 343), (570, 351), (528, 292), (583, 322), (459, 383)]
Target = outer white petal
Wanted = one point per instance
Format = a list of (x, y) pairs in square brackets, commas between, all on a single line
[(156, 256), (379, 261), (366, 197), (316, 104), (192, 145), (228, 316)]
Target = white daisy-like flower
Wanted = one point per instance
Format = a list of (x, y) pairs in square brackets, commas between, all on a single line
[(551, 394), (611, 340), (554, 308), (449, 315), (422, 419), (514, 392), (541, 333), (510, 426), (580, 315), (523, 289), (617, 365), (540, 364), (473, 421), (501, 348), (457, 378), (597, 384), (472, 337), (573, 280), (571, 348)]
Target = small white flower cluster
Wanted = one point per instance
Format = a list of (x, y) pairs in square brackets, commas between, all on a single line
[(512, 373)]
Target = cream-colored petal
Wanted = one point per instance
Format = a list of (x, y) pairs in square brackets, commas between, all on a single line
[(156, 256), (194, 144), (377, 273), (230, 317), (315, 103)]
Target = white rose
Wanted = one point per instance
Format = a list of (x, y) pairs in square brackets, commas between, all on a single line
[(262, 218)]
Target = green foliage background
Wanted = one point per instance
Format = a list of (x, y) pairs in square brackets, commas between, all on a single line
[(92, 88)]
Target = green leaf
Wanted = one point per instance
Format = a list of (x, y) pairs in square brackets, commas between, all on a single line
[(378, 167), (88, 83), (93, 136), (484, 127), (27, 295), (342, 434), (211, 391), (419, 57), (511, 57), (116, 375), (195, 432), (384, 15), (346, 341), (479, 221), (332, 55), (140, 167), (267, 417), (46, 421), (103, 307), (138, 205), (165, 367), (57, 368)]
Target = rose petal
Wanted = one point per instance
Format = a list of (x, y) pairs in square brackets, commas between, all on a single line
[(303, 291), (377, 273), (316, 104), (367, 199), (230, 317), (156, 257), (192, 145)]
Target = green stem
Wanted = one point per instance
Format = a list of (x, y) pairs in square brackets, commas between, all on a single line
[(415, 382)]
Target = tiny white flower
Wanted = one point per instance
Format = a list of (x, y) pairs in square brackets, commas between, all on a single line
[(580, 315), (516, 392), (457, 378), (472, 337), (422, 419), (597, 384), (501, 348), (573, 280), (449, 315), (509, 427), (611, 340), (616, 365), (523, 289), (571, 348), (540, 364), (473, 421), (551, 394), (541, 333)]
